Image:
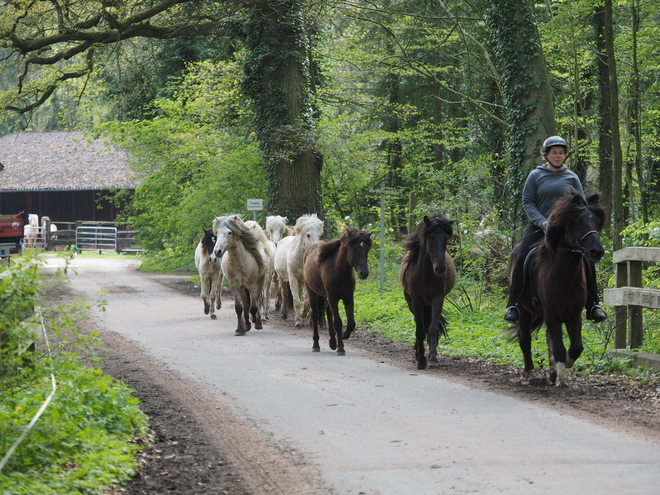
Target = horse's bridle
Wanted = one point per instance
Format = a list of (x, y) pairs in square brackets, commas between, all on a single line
[(582, 250)]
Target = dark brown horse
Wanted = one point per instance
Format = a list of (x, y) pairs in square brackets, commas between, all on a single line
[(427, 274), (555, 290), (328, 274)]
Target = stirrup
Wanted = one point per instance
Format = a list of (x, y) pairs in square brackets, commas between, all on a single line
[(512, 314), (596, 314)]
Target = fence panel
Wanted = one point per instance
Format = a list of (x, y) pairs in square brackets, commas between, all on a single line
[(94, 238)]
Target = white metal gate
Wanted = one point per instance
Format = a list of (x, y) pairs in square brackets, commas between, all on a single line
[(92, 238)]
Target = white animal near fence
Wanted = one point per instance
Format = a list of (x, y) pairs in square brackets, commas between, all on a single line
[(31, 231), (48, 226)]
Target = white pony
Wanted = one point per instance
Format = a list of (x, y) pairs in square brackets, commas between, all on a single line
[(48, 226), (289, 262), (210, 274), (268, 251), (276, 229), (244, 265), (31, 231)]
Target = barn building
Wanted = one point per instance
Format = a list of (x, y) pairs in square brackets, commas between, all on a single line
[(62, 175)]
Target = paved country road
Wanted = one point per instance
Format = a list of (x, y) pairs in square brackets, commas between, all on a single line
[(296, 422)]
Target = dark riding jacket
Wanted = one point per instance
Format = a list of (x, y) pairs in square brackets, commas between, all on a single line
[(543, 188)]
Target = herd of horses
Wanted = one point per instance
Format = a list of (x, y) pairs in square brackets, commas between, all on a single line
[(318, 274)]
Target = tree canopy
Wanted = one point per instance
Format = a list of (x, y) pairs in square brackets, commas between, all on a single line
[(444, 101)]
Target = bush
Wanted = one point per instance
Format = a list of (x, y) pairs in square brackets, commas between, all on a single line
[(86, 438)]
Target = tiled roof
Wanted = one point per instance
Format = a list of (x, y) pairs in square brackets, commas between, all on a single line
[(61, 160)]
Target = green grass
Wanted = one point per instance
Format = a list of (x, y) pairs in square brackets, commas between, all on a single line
[(476, 328)]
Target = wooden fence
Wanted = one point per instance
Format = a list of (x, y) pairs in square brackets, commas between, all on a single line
[(630, 297), (66, 236)]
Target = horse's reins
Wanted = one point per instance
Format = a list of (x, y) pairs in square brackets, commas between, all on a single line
[(582, 250)]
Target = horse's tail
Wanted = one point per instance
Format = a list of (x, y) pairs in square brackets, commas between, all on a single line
[(443, 326), (512, 333), (287, 297)]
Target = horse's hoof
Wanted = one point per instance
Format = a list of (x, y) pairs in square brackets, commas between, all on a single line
[(333, 343), (561, 384), (341, 352), (298, 325), (346, 335), (206, 309), (239, 333), (213, 317), (421, 364), (258, 326), (553, 377), (316, 349), (433, 364)]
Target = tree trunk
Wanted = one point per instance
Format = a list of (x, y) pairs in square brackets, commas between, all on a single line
[(617, 156), (604, 128), (525, 89), (278, 82), (636, 116)]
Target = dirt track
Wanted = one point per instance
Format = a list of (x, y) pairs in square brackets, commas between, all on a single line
[(202, 447)]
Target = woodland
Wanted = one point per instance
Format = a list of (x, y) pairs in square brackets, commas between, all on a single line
[(314, 105)]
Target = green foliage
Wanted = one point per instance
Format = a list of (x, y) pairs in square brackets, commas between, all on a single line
[(194, 162), (82, 443), (85, 440)]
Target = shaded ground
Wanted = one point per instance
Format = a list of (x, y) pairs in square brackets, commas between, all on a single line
[(200, 449)]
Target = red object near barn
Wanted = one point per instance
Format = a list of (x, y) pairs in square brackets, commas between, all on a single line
[(11, 234)]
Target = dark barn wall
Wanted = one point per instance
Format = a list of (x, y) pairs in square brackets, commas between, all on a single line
[(61, 205)]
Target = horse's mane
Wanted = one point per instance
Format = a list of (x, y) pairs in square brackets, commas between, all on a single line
[(308, 222), (257, 231), (413, 242), (250, 237), (566, 211), (273, 222), (351, 235), (206, 241)]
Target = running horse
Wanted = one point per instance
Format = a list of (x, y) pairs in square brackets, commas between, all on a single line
[(210, 274), (427, 274), (555, 287), (328, 274), (289, 263), (243, 265)]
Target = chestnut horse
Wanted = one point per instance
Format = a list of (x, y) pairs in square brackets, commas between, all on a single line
[(328, 274), (427, 274), (555, 287)]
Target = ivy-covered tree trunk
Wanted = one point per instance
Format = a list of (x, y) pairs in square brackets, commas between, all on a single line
[(277, 79), (524, 85), (604, 131), (617, 154)]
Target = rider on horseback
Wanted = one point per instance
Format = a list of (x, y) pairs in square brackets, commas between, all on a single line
[(543, 187)]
